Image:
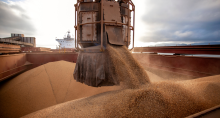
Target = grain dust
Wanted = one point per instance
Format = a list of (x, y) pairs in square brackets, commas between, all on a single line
[(52, 90), (142, 95), (125, 68)]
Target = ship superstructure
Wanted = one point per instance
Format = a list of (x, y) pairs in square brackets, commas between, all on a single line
[(66, 42)]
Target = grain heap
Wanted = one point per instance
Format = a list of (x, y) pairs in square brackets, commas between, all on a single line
[(139, 98), (42, 87), (159, 99)]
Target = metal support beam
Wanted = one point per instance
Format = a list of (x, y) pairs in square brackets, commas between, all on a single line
[(101, 25), (200, 49)]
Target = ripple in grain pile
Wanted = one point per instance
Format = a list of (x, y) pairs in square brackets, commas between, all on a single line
[(42, 87), (141, 98)]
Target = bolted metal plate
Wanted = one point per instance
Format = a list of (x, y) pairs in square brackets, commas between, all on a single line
[(124, 5), (88, 1), (115, 35), (111, 11), (125, 28), (89, 30), (89, 6), (124, 11)]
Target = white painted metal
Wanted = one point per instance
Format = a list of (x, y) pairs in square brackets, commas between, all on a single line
[(66, 42)]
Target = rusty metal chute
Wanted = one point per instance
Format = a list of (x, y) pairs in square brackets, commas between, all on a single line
[(99, 23)]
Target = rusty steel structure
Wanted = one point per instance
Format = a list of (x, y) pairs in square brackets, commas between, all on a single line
[(178, 66), (14, 64), (7, 48), (34, 49), (12, 44), (183, 63), (191, 49), (19, 39), (99, 23), (213, 112)]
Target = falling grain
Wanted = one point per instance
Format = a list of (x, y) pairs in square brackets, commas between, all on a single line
[(125, 68)]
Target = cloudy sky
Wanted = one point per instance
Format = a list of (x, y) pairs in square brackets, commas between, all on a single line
[(158, 22)]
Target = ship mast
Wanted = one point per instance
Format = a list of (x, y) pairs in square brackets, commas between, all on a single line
[(68, 35)]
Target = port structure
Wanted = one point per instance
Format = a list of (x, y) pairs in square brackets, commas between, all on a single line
[(99, 23), (99, 20)]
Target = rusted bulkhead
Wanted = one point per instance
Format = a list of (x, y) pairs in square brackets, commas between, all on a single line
[(99, 23), (115, 23)]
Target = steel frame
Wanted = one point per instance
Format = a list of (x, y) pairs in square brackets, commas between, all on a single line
[(213, 112), (191, 66), (77, 5), (14, 64), (10, 41), (7, 48), (200, 49)]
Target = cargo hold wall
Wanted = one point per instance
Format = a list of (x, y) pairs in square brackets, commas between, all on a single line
[(12, 64), (174, 66)]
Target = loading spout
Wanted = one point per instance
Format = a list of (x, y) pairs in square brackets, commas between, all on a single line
[(100, 23)]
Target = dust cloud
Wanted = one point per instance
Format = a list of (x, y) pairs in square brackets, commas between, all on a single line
[(142, 94)]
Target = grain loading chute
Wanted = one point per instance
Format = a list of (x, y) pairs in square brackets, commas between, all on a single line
[(99, 23)]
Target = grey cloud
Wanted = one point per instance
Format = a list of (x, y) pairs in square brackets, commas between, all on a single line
[(17, 8), (183, 20), (12, 23), (183, 44), (25, 16)]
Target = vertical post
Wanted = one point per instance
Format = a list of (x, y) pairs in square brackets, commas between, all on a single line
[(92, 26), (75, 24), (129, 20), (78, 29), (101, 25), (133, 23), (128, 26)]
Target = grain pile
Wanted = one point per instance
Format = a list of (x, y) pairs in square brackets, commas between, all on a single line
[(42, 87), (175, 99), (142, 96)]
